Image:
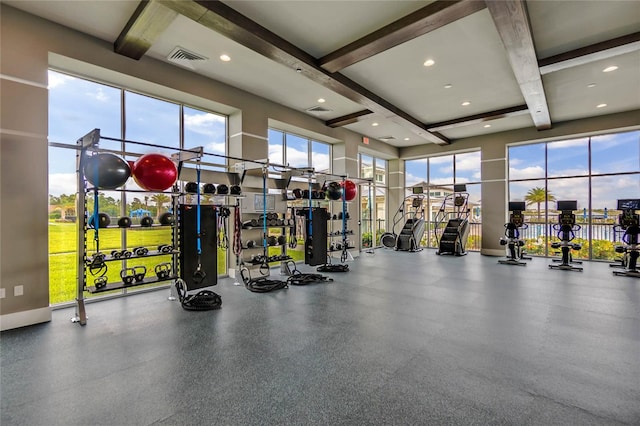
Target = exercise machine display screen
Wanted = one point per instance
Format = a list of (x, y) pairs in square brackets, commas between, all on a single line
[(417, 190), (517, 206), (567, 205), (633, 204), (460, 188)]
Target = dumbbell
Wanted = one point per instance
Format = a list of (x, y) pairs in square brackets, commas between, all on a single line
[(165, 248), (119, 254), (140, 251), (100, 282)]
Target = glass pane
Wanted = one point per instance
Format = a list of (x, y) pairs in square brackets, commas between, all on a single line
[(381, 213), (78, 106), (208, 130), (570, 189), (297, 153), (321, 156), (276, 151), (366, 166), (534, 194), (605, 193), (152, 120), (415, 174), (615, 153), (474, 242), (367, 217), (526, 161), (568, 158), (441, 170), (381, 171), (468, 167)]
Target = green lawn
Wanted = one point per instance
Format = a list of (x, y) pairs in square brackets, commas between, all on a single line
[(63, 257)]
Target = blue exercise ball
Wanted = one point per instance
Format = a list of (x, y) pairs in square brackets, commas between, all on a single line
[(106, 171)]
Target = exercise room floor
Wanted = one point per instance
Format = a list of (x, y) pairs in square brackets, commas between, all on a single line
[(403, 338)]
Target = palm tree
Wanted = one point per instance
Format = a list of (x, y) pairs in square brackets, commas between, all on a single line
[(538, 196), (160, 199)]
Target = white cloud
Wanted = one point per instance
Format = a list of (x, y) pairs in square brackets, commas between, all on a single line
[(98, 95), (568, 144), (62, 183), (321, 162), (204, 124), (56, 80), (526, 173), (216, 147)]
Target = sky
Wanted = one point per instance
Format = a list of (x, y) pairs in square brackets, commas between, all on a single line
[(77, 106)]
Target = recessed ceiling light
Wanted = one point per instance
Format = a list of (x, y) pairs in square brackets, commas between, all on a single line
[(601, 105), (487, 126), (466, 103), (321, 100), (374, 124), (609, 69), (448, 86), (429, 62), (406, 139), (590, 85), (225, 58)]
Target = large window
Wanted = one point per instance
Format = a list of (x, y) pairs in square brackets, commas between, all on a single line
[(436, 176), (77, 106), (373, 200), (292, 150), (595, 172)]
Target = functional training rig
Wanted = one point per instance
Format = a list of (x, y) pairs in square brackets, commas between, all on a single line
[(455, 213), (411, 215), (514, 244), (629, 226), (566, 229)]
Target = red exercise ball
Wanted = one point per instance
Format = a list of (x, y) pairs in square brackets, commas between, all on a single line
[(350, 191), (154, 172)]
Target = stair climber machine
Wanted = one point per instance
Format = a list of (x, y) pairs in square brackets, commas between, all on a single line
[(514, 244), (566, 230), (629, 226), (455, 212), (413, 225)]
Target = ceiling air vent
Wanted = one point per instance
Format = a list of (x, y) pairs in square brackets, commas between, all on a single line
[(184, 57), (387, 138), (318, 109)]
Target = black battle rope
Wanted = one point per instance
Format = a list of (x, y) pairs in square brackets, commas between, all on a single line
[(262, 284), (299, 278), (204, 300), (198, 274), (293, 237), (333, 268), (223, 239), (237, 226)]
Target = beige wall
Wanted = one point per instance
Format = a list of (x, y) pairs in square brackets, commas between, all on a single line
[(30, 45)]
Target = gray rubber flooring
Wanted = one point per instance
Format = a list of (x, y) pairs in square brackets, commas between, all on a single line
[(401, 339)]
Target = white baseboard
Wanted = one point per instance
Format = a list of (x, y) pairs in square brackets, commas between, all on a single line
[(24, 318), (492, 252)]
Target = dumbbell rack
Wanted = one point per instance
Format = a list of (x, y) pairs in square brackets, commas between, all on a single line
[(90, 142)]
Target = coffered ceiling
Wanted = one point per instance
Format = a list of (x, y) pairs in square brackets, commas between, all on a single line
[(493, 66)]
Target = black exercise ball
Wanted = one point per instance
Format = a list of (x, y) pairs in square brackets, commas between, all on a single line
[(191, 187), (166, 218), (282, 240), (223, 189), (209, 188), (124, 222), (106, 171), (103, 220), (334, 191), (146, 221), (272, 240), (235, 190)]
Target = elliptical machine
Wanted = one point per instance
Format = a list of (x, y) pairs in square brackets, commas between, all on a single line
[(566, 228), (514, 244), (629, 226)]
